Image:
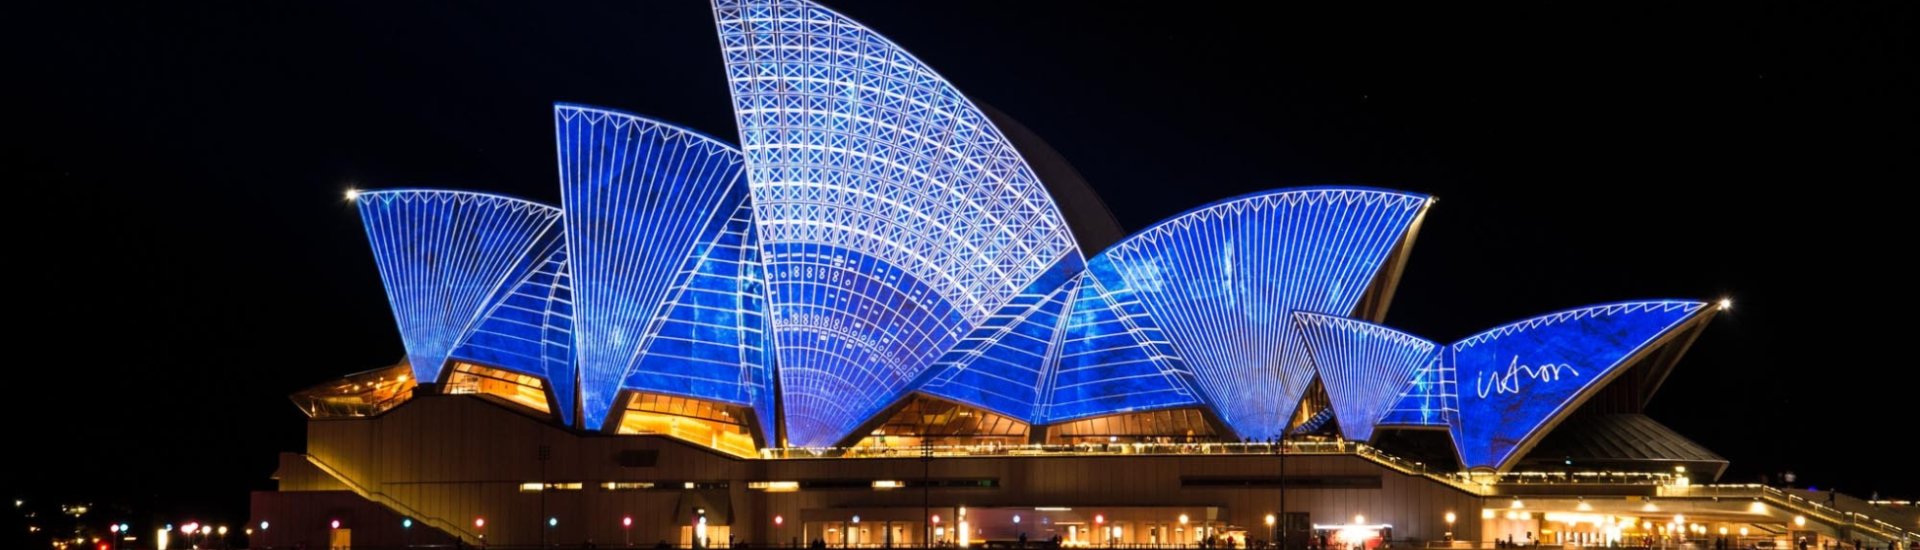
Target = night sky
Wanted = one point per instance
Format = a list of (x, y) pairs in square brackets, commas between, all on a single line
[(183, 259)]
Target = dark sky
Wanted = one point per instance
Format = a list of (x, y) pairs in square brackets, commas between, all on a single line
[(183, 258)]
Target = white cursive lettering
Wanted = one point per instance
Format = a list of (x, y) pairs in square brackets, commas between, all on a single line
[(1496, 382)]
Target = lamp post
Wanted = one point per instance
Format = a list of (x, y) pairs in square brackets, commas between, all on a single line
[(1281, 449), (1270, 529), (926, 496), (626, 528), (1450, 518)]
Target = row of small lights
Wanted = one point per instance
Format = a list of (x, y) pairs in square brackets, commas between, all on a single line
[(1680, 519), (626, 522)]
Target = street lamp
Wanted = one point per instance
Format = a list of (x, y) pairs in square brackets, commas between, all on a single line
[(1270, 523), (1450, 518), (926, 494), (1281, 449), (626, 528)]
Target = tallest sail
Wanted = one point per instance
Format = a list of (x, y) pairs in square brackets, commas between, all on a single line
[(894, 217)]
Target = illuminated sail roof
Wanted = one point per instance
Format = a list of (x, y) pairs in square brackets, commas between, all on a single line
[(1362, 365), (444, 258), (894, 217), (645, 203), (1222, 280), (1519, 379), (530, 330)]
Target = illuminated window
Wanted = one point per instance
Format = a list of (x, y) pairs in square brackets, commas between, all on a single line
[(363, 394), (627, 485), (774, 486), (520, 389), (927, 421), (716, 425), (1168, 426), (535, 486)]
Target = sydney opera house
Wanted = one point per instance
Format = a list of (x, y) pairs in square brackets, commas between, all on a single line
[(890, 316)]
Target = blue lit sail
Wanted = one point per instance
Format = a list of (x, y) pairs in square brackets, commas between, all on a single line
[(1001, 365), (530, 330), (641, 198), (1112, 359), (1519, 378), (1431, 399), (1222, 280), (445, 257), (711, 339), (1362, 365), (894, 217)]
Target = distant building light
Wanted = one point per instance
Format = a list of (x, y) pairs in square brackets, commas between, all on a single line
[(888, 484)]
